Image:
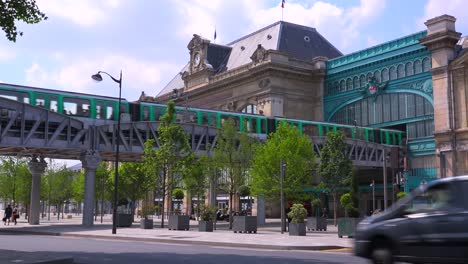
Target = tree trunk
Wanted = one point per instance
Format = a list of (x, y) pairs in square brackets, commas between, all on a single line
[(231, 197), (48, 205), (334, 207), (95, 210), (163, 193)]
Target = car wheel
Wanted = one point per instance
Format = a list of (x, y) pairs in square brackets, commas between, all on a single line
[(382, 254)]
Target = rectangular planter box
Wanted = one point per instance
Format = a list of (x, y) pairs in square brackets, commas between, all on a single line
[(347, 226), (146, 223), (317, 224), (124, 220), (245, 224), (297, 229), (205, 226), (179, 222)]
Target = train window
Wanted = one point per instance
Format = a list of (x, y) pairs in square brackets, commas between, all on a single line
[(145, 113), (13, 95), (109, 112), (255, 124), (310, 130), (40, 100), (84, 110), (235, 119), (53, 105), (346, 131), (69, 108), (191, 117), (248, 127), (99, 109)]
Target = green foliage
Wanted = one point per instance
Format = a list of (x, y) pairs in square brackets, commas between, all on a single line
[(335, 166), (298, 213), (18, 10), (195, 180), (296, 151), (400, 195), (15, 180), (244, 191), (232, 158), (58, 184), (347, 202), (147, 209), (316, 204), (207, 213), (178, 194)]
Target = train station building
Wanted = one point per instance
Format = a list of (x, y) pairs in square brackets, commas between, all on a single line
[(417, 84)]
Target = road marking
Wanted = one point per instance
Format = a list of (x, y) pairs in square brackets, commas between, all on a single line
[(337, 250)]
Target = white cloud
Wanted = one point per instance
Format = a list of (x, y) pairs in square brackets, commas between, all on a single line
[(82, 12), (137, 76), (434, 8)]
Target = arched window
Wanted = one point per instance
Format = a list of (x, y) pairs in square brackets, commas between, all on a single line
[(426, 64), (384, 75), (400, 71), (356, 82), (393, 74), (342, 86), (362, 80), (377, 75), (417, 67), (409, 69), (369, 75), (336, 87), (349, 84), (250, 109)]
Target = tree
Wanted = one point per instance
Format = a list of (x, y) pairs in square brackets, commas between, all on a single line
[(196, 181), (335, 166), (172, 156), (18, 10), (57, 186), (232, 155), (13, 175), (78, 189), (297, 153)]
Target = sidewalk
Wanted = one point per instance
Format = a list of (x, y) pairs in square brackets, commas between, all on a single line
[(267, 237)]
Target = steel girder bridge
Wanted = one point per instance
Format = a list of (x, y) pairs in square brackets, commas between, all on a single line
[(35, 132)]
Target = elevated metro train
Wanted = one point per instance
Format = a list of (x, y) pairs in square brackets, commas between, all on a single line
[(106, 108)]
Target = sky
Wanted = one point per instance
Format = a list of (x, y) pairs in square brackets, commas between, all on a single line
[(147, 39)]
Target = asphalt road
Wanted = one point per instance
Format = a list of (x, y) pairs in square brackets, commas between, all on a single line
[(86, 251)]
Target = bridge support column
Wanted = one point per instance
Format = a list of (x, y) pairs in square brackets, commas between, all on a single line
[(90, 161), (36, 168)]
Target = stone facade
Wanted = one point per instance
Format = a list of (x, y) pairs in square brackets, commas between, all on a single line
[(449, 77)]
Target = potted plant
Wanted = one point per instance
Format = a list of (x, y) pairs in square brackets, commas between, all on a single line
[(207, 215), (349, 201), (297, 226), (316, 222), (177, 221), (146, 214)]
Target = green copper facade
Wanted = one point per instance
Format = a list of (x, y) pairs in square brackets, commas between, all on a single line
[(388, 86)]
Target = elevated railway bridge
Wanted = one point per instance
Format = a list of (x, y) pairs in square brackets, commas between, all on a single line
[(37, 133)]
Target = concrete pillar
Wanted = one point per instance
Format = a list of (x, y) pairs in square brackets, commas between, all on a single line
[(441, 40), (36, 168), (90, 161), (258, 209)]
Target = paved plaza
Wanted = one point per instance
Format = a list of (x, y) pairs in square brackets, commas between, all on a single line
[(267, 236)]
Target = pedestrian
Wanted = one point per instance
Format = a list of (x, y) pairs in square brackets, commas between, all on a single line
[(8, 212), (15, 215)]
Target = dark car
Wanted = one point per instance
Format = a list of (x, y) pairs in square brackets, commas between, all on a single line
[(428, 226)]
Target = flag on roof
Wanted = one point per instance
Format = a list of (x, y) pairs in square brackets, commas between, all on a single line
[(215, 34), (282, 3)]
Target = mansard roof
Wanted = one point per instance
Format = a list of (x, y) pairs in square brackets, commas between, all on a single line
[(301, 42)]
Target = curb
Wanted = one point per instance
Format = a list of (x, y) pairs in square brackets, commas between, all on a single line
[(180, 242), (55, 261)]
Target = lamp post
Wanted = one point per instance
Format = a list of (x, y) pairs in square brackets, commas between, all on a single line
[(97, 77), (373, 195), (283, 212)]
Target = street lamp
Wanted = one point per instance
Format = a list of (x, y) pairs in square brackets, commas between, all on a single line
[(283, 212), (373, 195), (98, 77)]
